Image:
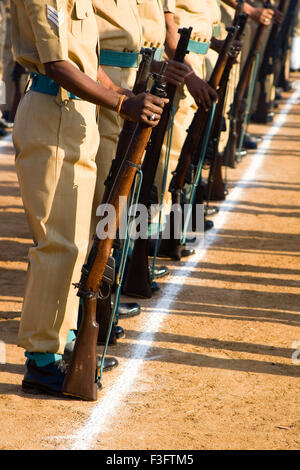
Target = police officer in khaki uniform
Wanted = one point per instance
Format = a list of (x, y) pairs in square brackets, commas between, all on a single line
[(262, 15), (120, 35), (195, 91), (154, 35), (227, 16), (124, 27), (56, 140)]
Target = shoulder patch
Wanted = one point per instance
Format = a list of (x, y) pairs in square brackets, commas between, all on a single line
[(57, 17)]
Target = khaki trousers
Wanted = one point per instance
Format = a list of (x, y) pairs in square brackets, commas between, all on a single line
[(8, 66), (2, 33), (227, 16), (55, 160)]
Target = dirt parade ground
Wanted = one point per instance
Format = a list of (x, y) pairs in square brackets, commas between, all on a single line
[(212, 360)]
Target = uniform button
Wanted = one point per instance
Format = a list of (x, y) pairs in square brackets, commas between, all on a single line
[(86, 13)]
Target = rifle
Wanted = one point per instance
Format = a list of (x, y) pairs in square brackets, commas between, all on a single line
[(216, 186), (126, 134), (282, 46), (82, 377), (266, 70), (138, 282), (239, 103), (104, 309), (190, 153)]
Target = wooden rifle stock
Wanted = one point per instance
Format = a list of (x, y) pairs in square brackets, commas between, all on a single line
[(104, 310), (138, 282), (82, 375), (267, 69), (189, 156)]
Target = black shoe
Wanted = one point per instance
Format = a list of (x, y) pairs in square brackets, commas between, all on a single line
[(118, 331), (160, 272), (249, 143), (190, 241), (287, 86), (130, 309), (109, 362), (239, 155), (254, 138), (211, 210), (47, 380), (154, 287), (185, 252), (3, 132), (208, 224), (258, 119)]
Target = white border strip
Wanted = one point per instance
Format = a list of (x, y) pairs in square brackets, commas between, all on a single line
[(107, 408)]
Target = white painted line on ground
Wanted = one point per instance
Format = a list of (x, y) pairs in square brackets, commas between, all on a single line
[(108, 406)]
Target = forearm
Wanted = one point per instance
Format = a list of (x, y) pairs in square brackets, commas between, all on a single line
[(248, 6), (216, 44), (172, 36), (107, 82), (78, 83)]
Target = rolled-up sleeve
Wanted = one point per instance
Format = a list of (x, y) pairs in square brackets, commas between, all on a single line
[(49, 21), (169, 6)]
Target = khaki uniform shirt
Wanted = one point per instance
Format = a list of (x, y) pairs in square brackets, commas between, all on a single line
[(154, 27), (119, 25), (193, 13), (55, 30)]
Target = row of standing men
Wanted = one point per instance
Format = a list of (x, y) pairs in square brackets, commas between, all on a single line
[(61, 163)]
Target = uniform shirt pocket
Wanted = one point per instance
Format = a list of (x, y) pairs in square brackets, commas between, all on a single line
[(79, 15)]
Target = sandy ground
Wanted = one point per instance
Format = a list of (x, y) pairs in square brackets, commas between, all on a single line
[(218, 374)]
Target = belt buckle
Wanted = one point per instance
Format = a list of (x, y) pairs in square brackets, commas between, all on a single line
[(32, 78)]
